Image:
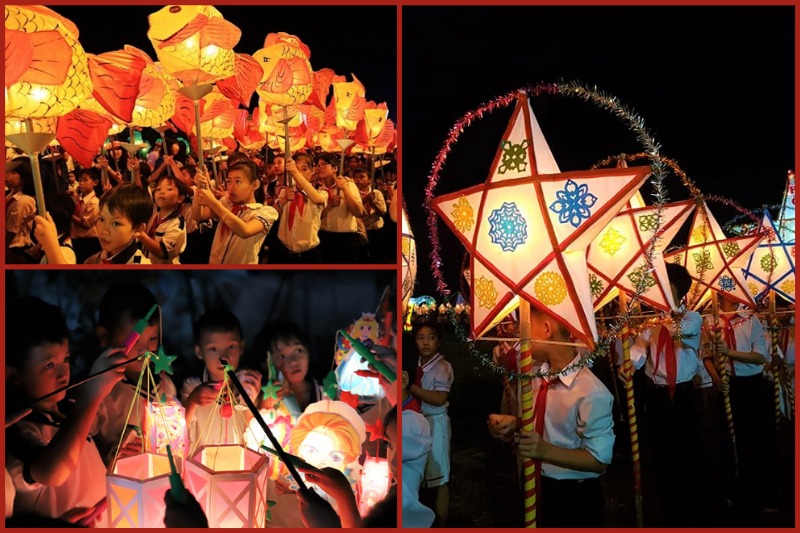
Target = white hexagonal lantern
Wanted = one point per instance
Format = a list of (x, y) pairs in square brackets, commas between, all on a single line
[(136, 488), (230, 482)]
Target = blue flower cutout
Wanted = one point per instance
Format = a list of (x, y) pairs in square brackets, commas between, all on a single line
[(572, 204), (508, 227), (726, 283)]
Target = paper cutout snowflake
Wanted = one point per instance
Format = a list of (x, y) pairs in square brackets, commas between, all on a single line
[(703, 261), (641, 276), (595, 285), (485, 292), (648, 222), (612, 241), (550, 288), (573, 203), (788, 286), (769, 262), (753, 288), (700, 234), (515, 157), (726, 283), (463, 215), (730, 249), (507, 227)]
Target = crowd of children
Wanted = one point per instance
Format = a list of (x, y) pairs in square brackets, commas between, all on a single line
[(168, 209), (61, 443)]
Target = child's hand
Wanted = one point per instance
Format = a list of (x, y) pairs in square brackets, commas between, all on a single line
[(316, 512), (251, 381), (291, 166), (531, 445), (341, 183), (205, 195), (134, 447), (204, 394), (45, 229), (102, 384), (501, 426), (332, 481), (722, 348), (188, 514)]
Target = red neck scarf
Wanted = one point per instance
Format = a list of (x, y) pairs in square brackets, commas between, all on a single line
[(666, 346), (298, 204)]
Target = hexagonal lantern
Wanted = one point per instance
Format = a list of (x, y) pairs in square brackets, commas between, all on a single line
[(230, 482), (136, 488)]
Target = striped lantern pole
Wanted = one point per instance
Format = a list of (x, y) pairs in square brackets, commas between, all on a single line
[(526, 368), (632, 425), (723, 374), (776, 365)]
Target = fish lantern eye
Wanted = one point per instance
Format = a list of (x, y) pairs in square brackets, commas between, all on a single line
[(175, 9)]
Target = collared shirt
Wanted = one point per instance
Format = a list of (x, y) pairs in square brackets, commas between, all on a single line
[(373, 220), (417, 442), (131, 255), (230, 249), (339, 219), (20, 210), (171, 236), (577, 417), (304, 233), (749, 336), (685, 350), (437, 376), (89, 213)]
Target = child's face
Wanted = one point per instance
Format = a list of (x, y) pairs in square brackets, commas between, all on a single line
[(325, 170), (115, 231), (304, 169), (427, 342), (13, 180), (86, 184), (278, 166), (362, 180), (167, 195), (148, 342), (218, 345), (291, 359), (46, 369), (241, 189), (71, 177)]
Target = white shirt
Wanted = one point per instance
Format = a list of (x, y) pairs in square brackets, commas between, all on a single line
[(230, 249), (304, 234), (89, 213), (685, 350), (339, 219), (372, 220), (417, 444), (437, 376), (577, 417), (171, 236), (20, 210)]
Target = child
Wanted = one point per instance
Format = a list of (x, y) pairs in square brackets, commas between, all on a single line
[(374, 209), (72, 182), (300, 215), (52, 232), (20, 205), (573, 437), (437, 378), (124, 212), (166, 236), (218, 336), (56, 468), (338, 234), (87, 211), (243, 223), (121, 307)]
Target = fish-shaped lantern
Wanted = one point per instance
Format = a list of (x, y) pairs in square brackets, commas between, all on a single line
[(287, 76)]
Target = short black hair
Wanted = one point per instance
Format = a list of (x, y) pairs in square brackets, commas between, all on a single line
[(426, 324), (249, 168), (329, 158), (360, 170), (131, 201), (302, 156), (126, 301), (31, 322), (61, 206), (217, 320), (680, 278), (179, 184), (410, 356), (283, 330)]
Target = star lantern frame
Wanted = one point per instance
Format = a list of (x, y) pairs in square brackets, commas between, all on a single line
[(771, 266)]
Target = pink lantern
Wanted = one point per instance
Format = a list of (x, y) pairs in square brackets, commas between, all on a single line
[(166, 424), (230, 482), (374, 483), (136, 488), (280, 422)]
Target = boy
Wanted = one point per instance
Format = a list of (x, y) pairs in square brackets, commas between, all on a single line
[(243, 223), (124, 211), (300, 215), (56, 468), (52, 232), (84, 218), (339, 237), (374, 209)]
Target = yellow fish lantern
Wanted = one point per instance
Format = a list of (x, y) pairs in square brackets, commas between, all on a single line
[(326, 139), (287, 76), (297, 139), (194, 43), (218, 116), (40, 125), (275, 114), (46, 70), (349, 102), (155, 102)]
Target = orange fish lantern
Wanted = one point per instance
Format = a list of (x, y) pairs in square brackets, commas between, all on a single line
[(243, 84), (246, 131), (375, 131), (218, 116), (287, 76), (117, 77), (195, 43), (323, 79), (349, 101), (155, 101), (326, 139), (46, 69)]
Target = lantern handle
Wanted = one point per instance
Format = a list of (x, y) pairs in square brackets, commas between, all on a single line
[(175, 483), (277, 445), (364, 352)]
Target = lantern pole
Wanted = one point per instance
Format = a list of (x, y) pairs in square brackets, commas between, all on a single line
[(32, 143), (526, 367), (372, 166), (196, 92), (213, 153), (161, 130), (344, 144), (287, 149), (132, 149), (777, 367), (723, 374)]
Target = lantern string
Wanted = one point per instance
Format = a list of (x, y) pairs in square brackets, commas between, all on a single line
[(205, 432), (162, 411), (136, 395)]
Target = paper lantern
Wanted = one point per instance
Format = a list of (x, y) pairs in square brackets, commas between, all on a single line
[(166, 425), (350, 370), (287, 76), (230, 483), (528, 227), (279, 420), (136, 490), (786, 218), (374, 132), (117, 78), (155, 102), (374, 483), (40, 125), (715, 262), (771, 266), (243, 84), (46, 70), (323, 78), (408, 266), (349, 102), (195, 43), (218, 116)]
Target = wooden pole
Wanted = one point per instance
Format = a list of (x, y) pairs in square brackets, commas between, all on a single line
[(723, 374), (627, 366), (526, 367)]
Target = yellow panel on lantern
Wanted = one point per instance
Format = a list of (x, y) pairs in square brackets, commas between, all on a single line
[(287, 76), (40, 125), (155, 103), (408, 249), (375, 120), (219, 116), (48, 72), (350, 100)]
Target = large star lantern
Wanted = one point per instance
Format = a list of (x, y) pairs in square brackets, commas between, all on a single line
[(617, 255), (771, 266), (715, 262), (528, 226)]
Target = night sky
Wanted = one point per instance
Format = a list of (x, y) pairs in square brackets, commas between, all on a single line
[(370, 53), (715, 86)]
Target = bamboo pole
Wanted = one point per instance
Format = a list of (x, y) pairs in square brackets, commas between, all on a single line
[(627, 365), (777, 364), (723, 374), (526, 367)]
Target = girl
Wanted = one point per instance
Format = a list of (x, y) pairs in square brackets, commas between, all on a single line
[(165, 238), (87, 211)]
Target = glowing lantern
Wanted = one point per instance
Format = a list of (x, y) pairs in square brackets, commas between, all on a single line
[(374, 483), (771, 266), (286, 78), (786, 217), (155, 102), (166, 424), (230, 482), (326, 139), (349, 102), (218, 116), (351, 372), (408, 266), (279, 421), (323, 79), (242, 85), (195, 43), (136, 488), (374, 130)]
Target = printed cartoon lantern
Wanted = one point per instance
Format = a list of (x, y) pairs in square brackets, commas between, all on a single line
[(136, 490), (194, 43), (527, 228), (786, 218), (374, 483), (287, 76), (166, 424), (771, 266), (351, 373), (279, 421), (230, 482), (349, 102), (409, 261)]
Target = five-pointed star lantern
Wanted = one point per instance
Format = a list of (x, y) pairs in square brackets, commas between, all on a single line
[(786, 217), (771, 267), (715, 262), (528, 226), (617, 255)]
